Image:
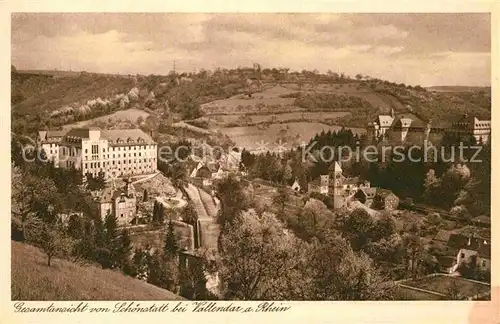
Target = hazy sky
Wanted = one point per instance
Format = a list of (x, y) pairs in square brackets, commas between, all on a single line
[(425, 49)]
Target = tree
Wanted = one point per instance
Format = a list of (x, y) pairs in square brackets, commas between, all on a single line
[(339, 273), (54, 242), (171, 245), (413, 246), (232, 199), (110, 249), (124, 248), (287, 173), (383, 228), (359, 76), (358, 227), (178, 175), (139, 267), (158, 213), (194, 279), (259, 259), (281, 198), (162, 273), (31, 196), (189, 215)]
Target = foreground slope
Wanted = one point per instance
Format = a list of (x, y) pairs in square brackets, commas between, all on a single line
[(32, 279)]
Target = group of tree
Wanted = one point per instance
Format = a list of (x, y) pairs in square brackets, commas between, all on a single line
[(261, 260)]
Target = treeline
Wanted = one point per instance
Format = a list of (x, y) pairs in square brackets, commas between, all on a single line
[(289, 166), (331, 101), (333, 254)]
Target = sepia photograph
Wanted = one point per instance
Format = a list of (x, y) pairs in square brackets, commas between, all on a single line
[(250, 157)]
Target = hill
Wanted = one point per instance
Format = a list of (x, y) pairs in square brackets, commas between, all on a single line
[(229, 98), (32, 279), (458, 89)]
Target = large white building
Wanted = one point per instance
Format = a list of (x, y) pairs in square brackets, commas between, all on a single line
[(112, 153)]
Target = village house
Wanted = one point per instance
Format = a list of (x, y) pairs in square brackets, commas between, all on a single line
[(481, 221), (470, 249), (320, 185), (385, 200), (365, 196), (377, 198), (119, 202), (205, 175), (295, 186)]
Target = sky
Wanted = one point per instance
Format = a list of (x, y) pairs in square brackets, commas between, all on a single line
[(418, 49)]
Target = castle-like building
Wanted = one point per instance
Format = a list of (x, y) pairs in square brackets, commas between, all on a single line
[(119, 202), (409, 128), (336, 185), (110, 153)]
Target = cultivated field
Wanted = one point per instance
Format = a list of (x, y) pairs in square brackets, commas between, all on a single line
[(32, 279), (125, 117), (376, 99), (251, 137), (244, 104), (442, 284), (253, 119)]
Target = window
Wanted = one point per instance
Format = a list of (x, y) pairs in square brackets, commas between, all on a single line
[(103, 150), (85, 165), (95, 149), (134, 154), (462, 255), (86, 150)]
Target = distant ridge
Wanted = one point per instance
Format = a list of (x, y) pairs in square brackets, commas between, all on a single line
[(458, 88)]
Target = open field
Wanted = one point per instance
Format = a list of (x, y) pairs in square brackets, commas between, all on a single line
[(32, 279), (442, 284), (254, 119), (244, 104), (127, 116), (376, 99), (251, 137)]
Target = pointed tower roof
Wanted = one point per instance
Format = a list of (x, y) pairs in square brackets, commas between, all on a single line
[(335, 167)]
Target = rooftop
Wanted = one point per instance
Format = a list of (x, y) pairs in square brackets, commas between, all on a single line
[(114, 136), (480, 245)]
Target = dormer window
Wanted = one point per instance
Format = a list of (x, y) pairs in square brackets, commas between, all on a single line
[(129, 140)]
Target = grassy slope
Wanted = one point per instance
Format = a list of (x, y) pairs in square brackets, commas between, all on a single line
[(64, 280)]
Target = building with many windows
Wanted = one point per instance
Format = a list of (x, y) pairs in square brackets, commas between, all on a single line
[(110, 153), (472, 126)]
